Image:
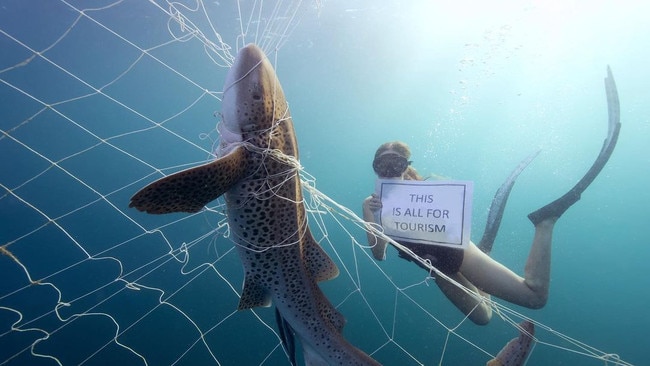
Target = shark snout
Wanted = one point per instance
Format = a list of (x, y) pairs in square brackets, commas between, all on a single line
[(252, 93), (246, 63)]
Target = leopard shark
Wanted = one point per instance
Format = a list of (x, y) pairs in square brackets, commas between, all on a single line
[(516, 352), (257, 172)]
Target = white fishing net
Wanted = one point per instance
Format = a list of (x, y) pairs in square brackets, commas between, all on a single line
[(99, 98)]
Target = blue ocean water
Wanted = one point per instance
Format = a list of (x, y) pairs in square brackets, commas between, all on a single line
[(95, 104)]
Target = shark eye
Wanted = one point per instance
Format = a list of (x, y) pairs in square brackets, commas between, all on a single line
[(257, 96)]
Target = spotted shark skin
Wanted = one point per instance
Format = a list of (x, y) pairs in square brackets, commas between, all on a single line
[(257, 172), (515, 352)]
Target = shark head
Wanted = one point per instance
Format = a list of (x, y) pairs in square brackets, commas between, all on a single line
[(253, 100)]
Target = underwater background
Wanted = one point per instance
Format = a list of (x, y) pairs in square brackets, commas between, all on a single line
[(98, 98)]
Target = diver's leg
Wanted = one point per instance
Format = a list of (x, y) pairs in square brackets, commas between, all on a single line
[(537, 273), (496, 279), (477, 311), (556, 208)]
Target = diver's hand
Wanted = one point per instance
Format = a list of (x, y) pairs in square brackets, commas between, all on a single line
[(374, 202)]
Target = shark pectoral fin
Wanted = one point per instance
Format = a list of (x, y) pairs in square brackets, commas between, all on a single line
[(253, 295), (318, 263), (189, 190)]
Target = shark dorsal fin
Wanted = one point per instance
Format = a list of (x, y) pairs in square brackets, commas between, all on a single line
[(189, 190)]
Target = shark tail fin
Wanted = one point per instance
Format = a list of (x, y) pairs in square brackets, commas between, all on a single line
[(515, 352)]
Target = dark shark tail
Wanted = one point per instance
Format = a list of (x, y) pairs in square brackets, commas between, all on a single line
[(560, 205), (516, 352), (287, 336)]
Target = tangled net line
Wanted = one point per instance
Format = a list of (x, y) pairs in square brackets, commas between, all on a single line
[(130, 276)]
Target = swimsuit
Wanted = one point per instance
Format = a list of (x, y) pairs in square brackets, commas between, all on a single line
[(447, 260)]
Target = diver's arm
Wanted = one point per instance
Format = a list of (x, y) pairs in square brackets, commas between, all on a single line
[(377, 244)]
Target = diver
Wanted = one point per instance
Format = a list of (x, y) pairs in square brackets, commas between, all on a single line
[(473, 267)]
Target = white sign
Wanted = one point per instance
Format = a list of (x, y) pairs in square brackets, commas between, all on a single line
[(426, 212)]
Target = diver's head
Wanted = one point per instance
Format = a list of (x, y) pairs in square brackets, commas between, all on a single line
[(391, 159)]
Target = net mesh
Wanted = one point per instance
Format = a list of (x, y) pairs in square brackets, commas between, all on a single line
[(87, 280)]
